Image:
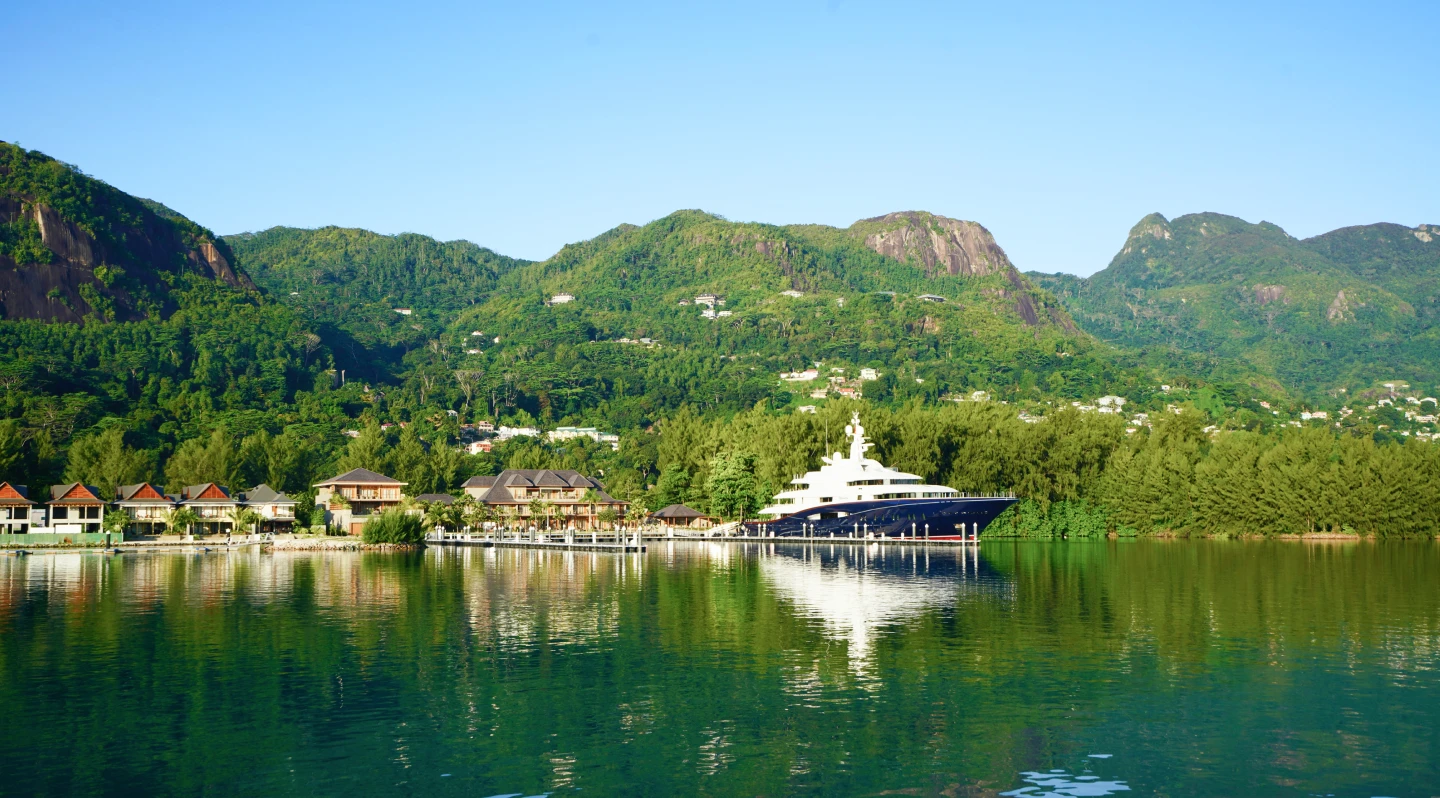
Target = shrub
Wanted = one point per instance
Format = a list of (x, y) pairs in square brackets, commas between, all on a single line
[(394, 526)]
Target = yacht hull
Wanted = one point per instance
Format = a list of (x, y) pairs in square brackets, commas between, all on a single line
[(938, 519)]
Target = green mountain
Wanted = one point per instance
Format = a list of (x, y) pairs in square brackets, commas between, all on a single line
[(1344, 309), (134, 347), (72, 247), (931, 303), (372, 297)]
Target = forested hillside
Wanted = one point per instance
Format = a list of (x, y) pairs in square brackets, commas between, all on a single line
[(190, 373), (1347, 309), (72, 247)]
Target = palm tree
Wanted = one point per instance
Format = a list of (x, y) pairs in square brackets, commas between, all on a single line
[(441, 516), (241, 516), (115, 522), (591, 498), (182, 518), (539, 506)]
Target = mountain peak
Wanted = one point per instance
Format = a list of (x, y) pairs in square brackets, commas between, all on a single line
[(942, 244)]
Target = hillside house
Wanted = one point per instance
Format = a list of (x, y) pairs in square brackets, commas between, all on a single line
[(710, 300), (562, 299), (572, 499), (571, 433), (75, 508), (869, 375), (792, 293), (15, 507), (147, 506), (506, 433), (353, 498), (801, 376)]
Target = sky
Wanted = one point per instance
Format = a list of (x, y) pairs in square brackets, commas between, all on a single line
[(526, 126)]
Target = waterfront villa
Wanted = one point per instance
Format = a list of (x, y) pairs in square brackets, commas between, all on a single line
[(682, 516), (276, 510), (15, 507), (147, 507), (213, 504), (568, 497), (349, 500), (75, 508)]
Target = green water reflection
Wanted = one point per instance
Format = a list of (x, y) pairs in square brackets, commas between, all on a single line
[(1168, 668)]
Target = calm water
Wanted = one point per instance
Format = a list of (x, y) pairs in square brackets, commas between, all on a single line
[(1030, 669)]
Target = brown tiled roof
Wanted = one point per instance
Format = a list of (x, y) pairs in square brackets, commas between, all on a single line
[(75, 493), (360, 476), (435, 498), (479, 482), (13, 495), (209, 492), (143, 492), (499, 492)]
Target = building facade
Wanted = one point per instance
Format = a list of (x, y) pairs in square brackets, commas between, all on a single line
[(276, 510), (213, 504), (75, 509), (147, 506), (562, 499), (15, 506), (353, 498)]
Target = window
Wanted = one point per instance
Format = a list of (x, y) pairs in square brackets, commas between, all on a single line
[(827, 499), (61, 514), (784, 501), (939, 494), (853, 483), (905, 482), (897, 496)]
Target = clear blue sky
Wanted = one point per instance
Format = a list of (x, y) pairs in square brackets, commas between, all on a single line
[(523, 126)]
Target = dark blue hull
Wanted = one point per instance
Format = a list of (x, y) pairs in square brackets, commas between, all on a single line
[(960, 518)]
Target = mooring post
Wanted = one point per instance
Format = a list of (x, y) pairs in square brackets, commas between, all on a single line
[(927, 531)]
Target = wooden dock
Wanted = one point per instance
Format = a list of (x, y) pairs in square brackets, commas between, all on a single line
[(577, 541)]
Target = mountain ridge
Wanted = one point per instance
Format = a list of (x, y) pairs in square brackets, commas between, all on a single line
[(72, 247), (1337, 310)]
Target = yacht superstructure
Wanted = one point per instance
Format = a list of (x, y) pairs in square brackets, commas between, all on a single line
[(854, 495)]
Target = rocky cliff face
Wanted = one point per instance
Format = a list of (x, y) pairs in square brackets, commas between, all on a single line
[(942, 244), (107, 256), (945, 246)]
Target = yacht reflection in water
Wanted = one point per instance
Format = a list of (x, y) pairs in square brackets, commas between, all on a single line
[(856, 591)]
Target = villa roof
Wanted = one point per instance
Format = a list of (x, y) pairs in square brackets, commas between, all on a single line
[(14, 494), (479, 482), (75, 493), (435, 498), (142, 492), (207, 492), (499, 492), (264, 494), (679, 511), (360, 476)]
